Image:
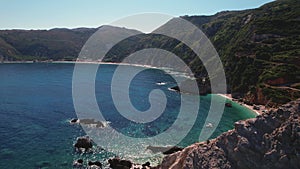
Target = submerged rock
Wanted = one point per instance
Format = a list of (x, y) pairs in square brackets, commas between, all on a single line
[(43, 164)]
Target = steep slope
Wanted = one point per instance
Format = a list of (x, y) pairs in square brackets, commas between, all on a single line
[(6, 50), (271, 140), (260, 50)]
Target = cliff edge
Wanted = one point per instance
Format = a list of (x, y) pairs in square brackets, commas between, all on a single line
[(271, 140)]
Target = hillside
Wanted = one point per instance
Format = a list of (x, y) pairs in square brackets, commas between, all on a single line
[(55, 44), (259, 48)]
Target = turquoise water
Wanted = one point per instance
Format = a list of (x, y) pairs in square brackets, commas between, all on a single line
[(36, 104)]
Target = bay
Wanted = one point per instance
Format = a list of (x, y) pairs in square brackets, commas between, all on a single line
[(36, 105)]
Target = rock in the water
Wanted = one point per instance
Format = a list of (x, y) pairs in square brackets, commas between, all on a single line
[(175, 88), (95, 164), (173, 150), (196, 86), (270, 140), (74, 121), (228, 104), (84, 142), (164, 150), (89, 122), (147, 164), (78, 163), (117, 163), (92, 122)]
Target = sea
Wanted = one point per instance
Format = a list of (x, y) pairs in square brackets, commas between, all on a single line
[(36, 105)]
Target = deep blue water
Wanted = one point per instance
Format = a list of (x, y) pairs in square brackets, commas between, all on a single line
[(36, 104)]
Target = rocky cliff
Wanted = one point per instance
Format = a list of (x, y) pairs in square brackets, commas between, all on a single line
[(271, 140)]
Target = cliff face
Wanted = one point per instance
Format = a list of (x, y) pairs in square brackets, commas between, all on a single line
[(271, 140)]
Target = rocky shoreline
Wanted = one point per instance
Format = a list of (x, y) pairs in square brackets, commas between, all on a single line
[(270, 140)]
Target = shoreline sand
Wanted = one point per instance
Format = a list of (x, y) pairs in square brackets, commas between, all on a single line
[(257, 112)]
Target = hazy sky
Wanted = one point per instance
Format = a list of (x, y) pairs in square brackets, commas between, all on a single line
[(45, 14)]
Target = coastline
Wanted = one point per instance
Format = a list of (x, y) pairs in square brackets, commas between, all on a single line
[(82, 61), (11, 62), (167, 69), (227, 96), (257, 112)]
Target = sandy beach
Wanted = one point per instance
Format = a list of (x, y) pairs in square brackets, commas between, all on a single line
[(257, 112)]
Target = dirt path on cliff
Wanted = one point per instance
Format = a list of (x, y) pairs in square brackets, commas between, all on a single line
[(282, 87)]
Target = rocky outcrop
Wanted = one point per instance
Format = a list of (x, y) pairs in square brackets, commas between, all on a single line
[(89, 122), (74, 121), (78, 163), (260, 98), (90, 164), (83, 143), (165, 150), (188, 86), (271, 140), (256, 98), (117, 163), (278, 81), (94, 165)]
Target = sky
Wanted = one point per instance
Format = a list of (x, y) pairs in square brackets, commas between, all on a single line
[(47, 14)]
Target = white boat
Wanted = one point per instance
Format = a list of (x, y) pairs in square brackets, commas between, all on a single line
[(161, 83), (209, 125)]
